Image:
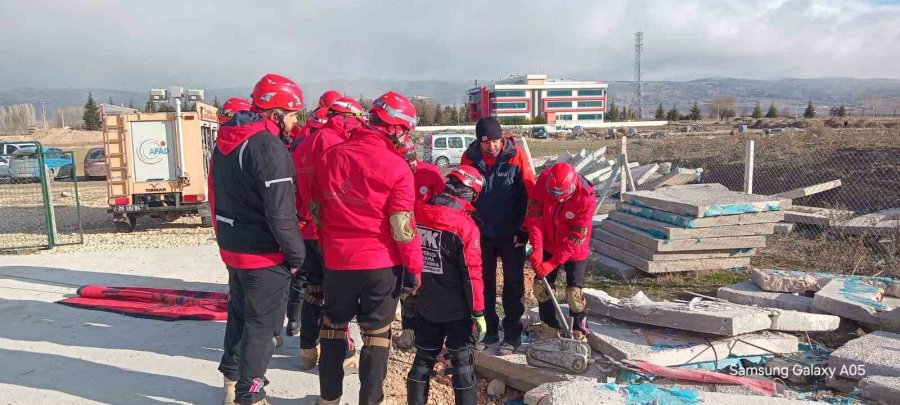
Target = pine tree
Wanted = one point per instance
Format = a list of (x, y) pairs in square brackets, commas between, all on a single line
[(111, 101), (454, 115), (696, 114), (91, 115), (438, 115), (772, 113), (673, 114), (613, 114), (660, 112), (842, 111), (810, 111), (757, 111)]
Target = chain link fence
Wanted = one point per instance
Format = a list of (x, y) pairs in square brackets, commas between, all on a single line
[(39, 200)]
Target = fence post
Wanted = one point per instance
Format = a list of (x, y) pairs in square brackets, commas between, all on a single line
[(623, 162), (748, 166)]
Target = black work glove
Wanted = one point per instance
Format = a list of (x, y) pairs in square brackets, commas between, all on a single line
[(409, 284), (521, 238)]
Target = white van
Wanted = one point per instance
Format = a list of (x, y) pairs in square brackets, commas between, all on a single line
[(446, 149)]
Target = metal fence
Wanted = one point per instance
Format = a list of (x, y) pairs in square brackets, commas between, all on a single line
[(39, 201)]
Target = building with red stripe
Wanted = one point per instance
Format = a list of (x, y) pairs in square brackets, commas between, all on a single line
[(559, 101)]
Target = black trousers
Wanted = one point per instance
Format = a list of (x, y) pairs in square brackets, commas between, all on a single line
[(408, 315), (574, 278), (431, 337), (256, 306), (513, 287), (371, 296), (312, 298)]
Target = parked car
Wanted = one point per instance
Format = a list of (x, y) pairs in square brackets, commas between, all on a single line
[(539, 132), (7, 148), (446, 149), (24, 164), (95, 164), (4, 168)]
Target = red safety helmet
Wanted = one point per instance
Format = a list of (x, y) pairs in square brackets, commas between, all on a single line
[(561, 180), (274, 91), (318, 118), (328, 97), (346, 106), (469, 177), (232, 106), (395, 109)]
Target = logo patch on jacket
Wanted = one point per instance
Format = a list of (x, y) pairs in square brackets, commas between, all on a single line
[(570, 214), (431, 250), (423, 190)]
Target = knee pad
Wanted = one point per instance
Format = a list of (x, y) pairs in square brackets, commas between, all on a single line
[(463, 370), (423, 365), (575, 299), (330, 330), (540, 292), (380, 337), (314, 295)]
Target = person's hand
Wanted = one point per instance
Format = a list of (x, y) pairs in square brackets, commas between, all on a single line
[(480, 326), (520, 239), (303, 224), (544, 269), (410, 283), (537, 256)]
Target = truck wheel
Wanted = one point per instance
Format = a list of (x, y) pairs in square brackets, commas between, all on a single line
[(126, 226), (442, 162), (206, 222)]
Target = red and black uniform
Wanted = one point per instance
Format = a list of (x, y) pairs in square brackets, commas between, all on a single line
[(360, 186), (451, 294), (562, 230), (251, 187), (501, 209)]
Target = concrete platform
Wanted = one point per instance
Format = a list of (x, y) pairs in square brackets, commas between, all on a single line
[(669, 266), (692, 222), (748, 293), (647, 253), (666, 231), (885, 390), (707, 202), (877, 353), (662, 245)]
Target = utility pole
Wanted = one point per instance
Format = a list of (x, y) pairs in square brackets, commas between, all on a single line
[(639, 90), (44, 113)]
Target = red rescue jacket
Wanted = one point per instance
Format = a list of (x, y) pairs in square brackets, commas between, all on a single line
[(357, 186), (561, 228), (429, 181)]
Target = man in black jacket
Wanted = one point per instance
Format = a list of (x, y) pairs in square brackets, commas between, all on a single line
[(253, 203)]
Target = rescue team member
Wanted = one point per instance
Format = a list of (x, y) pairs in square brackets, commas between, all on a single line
[(364, 197), (327, 98), (252, 201), (508, 179), (316, 120), (559, 221), (428, 182), (231, 107), (344, 115), (451, 300)]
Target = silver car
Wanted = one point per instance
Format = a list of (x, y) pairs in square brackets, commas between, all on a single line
[(446, 149), (4, 167)]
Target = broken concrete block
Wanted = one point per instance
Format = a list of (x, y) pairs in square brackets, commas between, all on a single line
[(877, 353), (823, 217), (665, 168), (600, 235), (587, 392), (796, 321), (642, 173), (809, 190), (882, 223), (784, 229), (496, 388), (715, 186), (663, 230), (691, 222), (748, 293), (668, 266), (708, 202), (785, 281), (662, 245), (885, 390), (514, 370), (704, 316), (612, 268), (675, 177), (851, 298)]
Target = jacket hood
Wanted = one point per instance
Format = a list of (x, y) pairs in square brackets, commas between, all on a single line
[(444, 210), (241, 126)]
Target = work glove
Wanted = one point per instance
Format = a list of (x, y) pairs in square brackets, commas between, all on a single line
[(299, 274), (409, 285), (544, 269), (521, 238), (536, 258), (480, 326)]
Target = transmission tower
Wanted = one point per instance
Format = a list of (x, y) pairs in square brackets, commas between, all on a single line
[(639, 90)]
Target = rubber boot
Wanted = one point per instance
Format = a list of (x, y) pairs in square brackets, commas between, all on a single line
[(351, 364), (309, 358), (292, 328), (228, 398), (407, 339)]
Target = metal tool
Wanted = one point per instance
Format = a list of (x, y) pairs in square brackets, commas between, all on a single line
[(564, 353)]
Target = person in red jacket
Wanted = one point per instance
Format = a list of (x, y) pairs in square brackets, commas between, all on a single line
[(363, 198), (317, 119), (328, 97), (231, 107), (344, 115), (251, 185), (451, 300), (559, 221)]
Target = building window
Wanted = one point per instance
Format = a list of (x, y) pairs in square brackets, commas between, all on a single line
[(509, 93), (559, 104), (559, 93), (510, 106), (564, 117), (591, 92), (475, 98), (590, 104), (590, 117)]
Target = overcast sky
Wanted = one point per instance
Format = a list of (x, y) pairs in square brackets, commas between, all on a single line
[(138, 44)]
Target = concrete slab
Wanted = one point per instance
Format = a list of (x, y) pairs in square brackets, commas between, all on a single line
[(823, 217), (704, 316), (608, 267), (716, 186), (882, 223), (776, 280), (665, 168), (589, 158), (783, 229), (650, 254), (748, 293), (513, 369), (877, 353), (663, 230), (674, 177), (587, 392), (885, 390), (797, 321), (691, 222), (706, 202), (809, 190), (642, 173), (668, 266), (853, 299), (661, 245)]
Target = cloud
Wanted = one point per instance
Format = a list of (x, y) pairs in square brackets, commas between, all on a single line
[(135, 45)]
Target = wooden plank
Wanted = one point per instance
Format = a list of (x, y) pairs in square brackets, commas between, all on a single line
[(809, 190), (691, 222), (706, 202), (672, 266), (659, 245), (649, 254), (663, 230)]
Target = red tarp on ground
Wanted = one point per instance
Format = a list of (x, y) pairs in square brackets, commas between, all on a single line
[(153, 302)]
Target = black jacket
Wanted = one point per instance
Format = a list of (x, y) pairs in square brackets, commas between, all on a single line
[(252, 195), (502, 202)]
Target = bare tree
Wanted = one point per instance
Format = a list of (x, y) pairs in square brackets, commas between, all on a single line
[(16, 119)]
